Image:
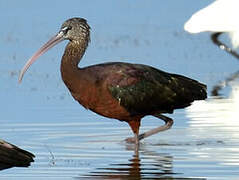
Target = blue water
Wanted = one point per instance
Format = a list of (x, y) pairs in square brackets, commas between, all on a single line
[(70, 142)]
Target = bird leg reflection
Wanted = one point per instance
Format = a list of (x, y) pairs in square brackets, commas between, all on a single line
[(214, 38), (168, 124)]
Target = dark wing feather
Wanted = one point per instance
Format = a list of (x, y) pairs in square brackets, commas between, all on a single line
[(143, 89)]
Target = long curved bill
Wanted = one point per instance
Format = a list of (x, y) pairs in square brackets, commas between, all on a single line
[(52, 42)]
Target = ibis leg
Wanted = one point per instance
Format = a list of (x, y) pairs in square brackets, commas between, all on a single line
[(134, 124), (168, 124), (136, 147), (215, 40)]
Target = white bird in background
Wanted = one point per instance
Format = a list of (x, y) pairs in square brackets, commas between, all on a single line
[(221, 16)]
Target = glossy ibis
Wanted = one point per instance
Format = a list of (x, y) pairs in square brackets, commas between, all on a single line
[(118, 90), (219, 17), (12, 156)]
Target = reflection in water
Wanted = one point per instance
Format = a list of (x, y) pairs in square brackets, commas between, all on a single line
[(12, 156), (216, 120), (136, 169), (70, 150), (151, 165)]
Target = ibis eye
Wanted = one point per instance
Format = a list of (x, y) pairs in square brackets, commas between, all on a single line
[(66, 29)]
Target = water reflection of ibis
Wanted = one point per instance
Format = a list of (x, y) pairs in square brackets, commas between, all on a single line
[(151, 166), (12, 156), (122, 91)]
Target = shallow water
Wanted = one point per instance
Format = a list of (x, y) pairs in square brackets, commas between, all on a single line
[(204, 146), (72, 143)]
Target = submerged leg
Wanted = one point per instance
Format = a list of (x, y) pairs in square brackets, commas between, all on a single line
[(168, 124), (134, 124), (136, 147)]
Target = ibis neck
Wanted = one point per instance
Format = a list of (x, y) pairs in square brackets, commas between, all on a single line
[(74, 51), (69, 65)]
